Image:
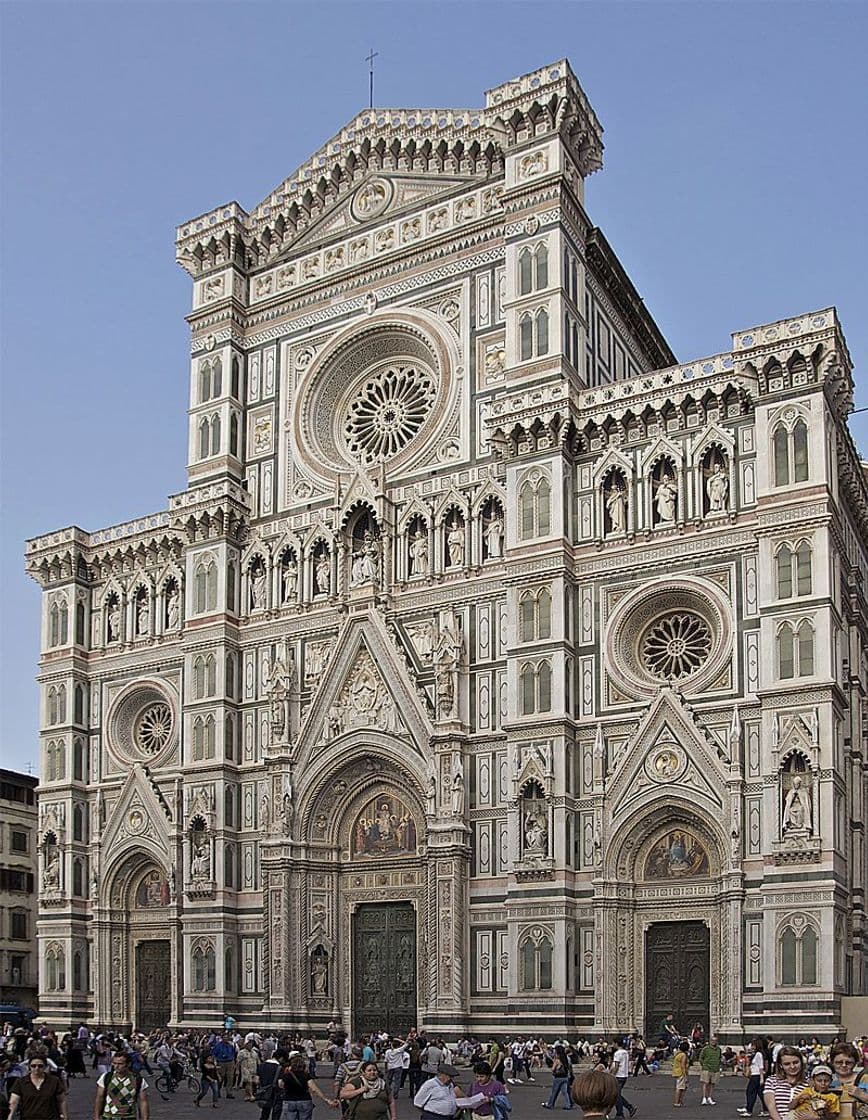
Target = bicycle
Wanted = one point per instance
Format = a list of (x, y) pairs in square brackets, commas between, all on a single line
[(166, 1085)]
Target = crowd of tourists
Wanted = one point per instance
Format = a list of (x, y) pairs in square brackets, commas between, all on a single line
[(286, 1074)]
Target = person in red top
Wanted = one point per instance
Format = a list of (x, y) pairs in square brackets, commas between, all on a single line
[(38, 1096)]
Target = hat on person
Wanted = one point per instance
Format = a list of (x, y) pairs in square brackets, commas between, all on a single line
[(821, 1069), (450, 1071)]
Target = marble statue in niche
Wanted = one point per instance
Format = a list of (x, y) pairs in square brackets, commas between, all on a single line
[(666, 499), (419, 552), (717, 487), (493, 535), (322, 571), (615, 503)]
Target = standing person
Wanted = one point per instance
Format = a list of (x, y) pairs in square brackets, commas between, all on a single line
[(225, 1054), (248, 1063), (38, 1095), (562, 1075), (843, 1058), (267, 1096), (788, 1079), (296, 1085), (437, 1097), (621, 1071), (121, 1094), (756, 1074), (395, 1065), (369, 1095), (209, 1073), (595, 1092), (640, 1056), (491, 1089), (309, 1045), (710, 1057), (432, 1058), (414, 1066), (680, 1070)]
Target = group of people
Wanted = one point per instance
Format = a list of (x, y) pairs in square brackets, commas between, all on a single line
[(279, 1073)]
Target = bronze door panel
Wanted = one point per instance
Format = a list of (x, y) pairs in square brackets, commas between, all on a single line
[(384, 968), (153, 984), (677, 976)]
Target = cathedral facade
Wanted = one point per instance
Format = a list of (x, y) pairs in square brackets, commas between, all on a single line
[(492, 663)]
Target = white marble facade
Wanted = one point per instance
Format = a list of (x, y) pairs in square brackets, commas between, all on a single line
[(475, 600)]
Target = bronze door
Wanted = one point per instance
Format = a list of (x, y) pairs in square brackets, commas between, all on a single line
[(677, 977), (153, 985), (384, 968)]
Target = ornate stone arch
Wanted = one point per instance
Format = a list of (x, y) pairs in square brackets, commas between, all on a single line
[(361, 760), (629, 847)]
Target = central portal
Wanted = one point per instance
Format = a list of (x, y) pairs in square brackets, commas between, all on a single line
[(676, 976), (384, 968), (153, 985)]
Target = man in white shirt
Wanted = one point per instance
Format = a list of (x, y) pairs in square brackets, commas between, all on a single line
[(395, 1065), (621, 1071), (437, 1096)]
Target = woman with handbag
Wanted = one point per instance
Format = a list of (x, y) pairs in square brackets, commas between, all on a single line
[(295, 1086), (562, 1075), (368, 1096)]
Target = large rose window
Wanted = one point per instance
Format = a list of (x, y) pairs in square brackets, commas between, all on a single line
[(142, 724), (677, 631), (676, 645), (388, 412), (153, 728)]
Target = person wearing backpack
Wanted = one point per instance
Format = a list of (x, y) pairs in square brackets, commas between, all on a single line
[(120, 1093)]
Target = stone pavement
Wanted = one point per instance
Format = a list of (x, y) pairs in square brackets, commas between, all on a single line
[(651, 1095)]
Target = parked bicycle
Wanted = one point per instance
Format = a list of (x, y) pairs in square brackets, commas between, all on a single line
[(188, 1082)]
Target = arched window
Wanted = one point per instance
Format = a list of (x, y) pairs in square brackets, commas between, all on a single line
[(78, 972), (806, 649), (544, 687), (525, 336), (534, 508), (230, 586), (798, 946), (527, 679), (544, 613), (782, 456), (803, 568), (229, 738), (198, 739), (229, 865), (78, 706), (542, 332), (228, 808), (204, 381), (54, 625), (536, 962), (80, 767), (51, 707), (208, 737), (215, 435), (233, 434), (785, 571), (204, 967), (216, 378), (525, 272), (228, 970), (236, 379), (61, 704), (78, 832), (204, 438), (80, 624), (800, 452), (786, 652), (206, 585), (526, 615), (541, 260), (77, 879), (55, 968)]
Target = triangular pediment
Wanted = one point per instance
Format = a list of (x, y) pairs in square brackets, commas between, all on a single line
[(669, 754), (138, 816), (366, 686), (376, 197)]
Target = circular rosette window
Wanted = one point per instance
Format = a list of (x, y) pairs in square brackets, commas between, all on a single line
[(141, 723), (678, 634), (377, 395)]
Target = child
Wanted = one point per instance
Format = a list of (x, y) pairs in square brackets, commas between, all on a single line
[(818, 1100), (680, 1067)]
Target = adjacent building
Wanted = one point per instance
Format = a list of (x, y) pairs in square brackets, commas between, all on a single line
[(491, 660), (18, 905)]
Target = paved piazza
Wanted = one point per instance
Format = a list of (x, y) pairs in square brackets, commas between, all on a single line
[(651, 1095)]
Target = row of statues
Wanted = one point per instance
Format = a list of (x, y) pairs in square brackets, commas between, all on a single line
[(665, 497), (142, 615)]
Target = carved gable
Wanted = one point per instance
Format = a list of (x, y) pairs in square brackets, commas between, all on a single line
[(670, 753), (138, 816)]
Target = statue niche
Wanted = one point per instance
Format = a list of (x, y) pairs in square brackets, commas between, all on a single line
[(534, 823), (418, 553), (366, 551), (492, 530), (615, 504), (664, 493), (796, 789), (715, 482)]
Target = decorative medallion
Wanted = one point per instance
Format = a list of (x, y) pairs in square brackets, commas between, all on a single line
[(665, 763), (370, 199)]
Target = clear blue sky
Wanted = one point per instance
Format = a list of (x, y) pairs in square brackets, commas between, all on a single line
[(734, 192)]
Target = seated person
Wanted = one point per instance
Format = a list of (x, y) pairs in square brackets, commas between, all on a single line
[(818, 1100)]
